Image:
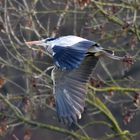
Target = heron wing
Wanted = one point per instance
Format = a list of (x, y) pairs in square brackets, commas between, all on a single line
[(70, 89), (70, 57)]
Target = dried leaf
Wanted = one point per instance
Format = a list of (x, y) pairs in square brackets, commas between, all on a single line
[(3, 128), (128, 117), (96, 83), (27, 105), (83, 3), (133, 42), (137, 100), (128, 61), (2, 81), (126, 25), (1, 27), (27, 135)]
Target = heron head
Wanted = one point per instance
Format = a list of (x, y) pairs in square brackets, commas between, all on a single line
[(42, 43)]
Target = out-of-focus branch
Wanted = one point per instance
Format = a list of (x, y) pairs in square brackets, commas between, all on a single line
[(115, 19), (21, 118), (60, 19), (122, 5), (119, 89)]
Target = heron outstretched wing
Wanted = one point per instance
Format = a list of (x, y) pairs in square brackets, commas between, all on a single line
[(70, 89)]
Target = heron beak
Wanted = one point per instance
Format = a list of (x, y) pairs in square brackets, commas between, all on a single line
[(30, 43), (37, 43)]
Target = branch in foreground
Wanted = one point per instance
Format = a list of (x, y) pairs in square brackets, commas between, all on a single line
[(120, 89), (96, 102), (22, 118)]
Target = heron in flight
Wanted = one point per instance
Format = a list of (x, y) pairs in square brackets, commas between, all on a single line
[(74, 60)]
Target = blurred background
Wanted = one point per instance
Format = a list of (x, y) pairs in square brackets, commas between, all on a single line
[(113, 24)]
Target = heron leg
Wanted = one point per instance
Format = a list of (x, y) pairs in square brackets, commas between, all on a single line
[(44, 72)]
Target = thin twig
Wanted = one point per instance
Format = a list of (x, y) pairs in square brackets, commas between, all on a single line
[(118, 89)]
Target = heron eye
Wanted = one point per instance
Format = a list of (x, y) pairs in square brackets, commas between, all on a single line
[(50, 39), (97, 45)]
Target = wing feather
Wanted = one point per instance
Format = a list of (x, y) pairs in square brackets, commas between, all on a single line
[(70, 89), (70, 57)]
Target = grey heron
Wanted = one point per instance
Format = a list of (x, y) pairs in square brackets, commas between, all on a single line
[(74, 60)]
